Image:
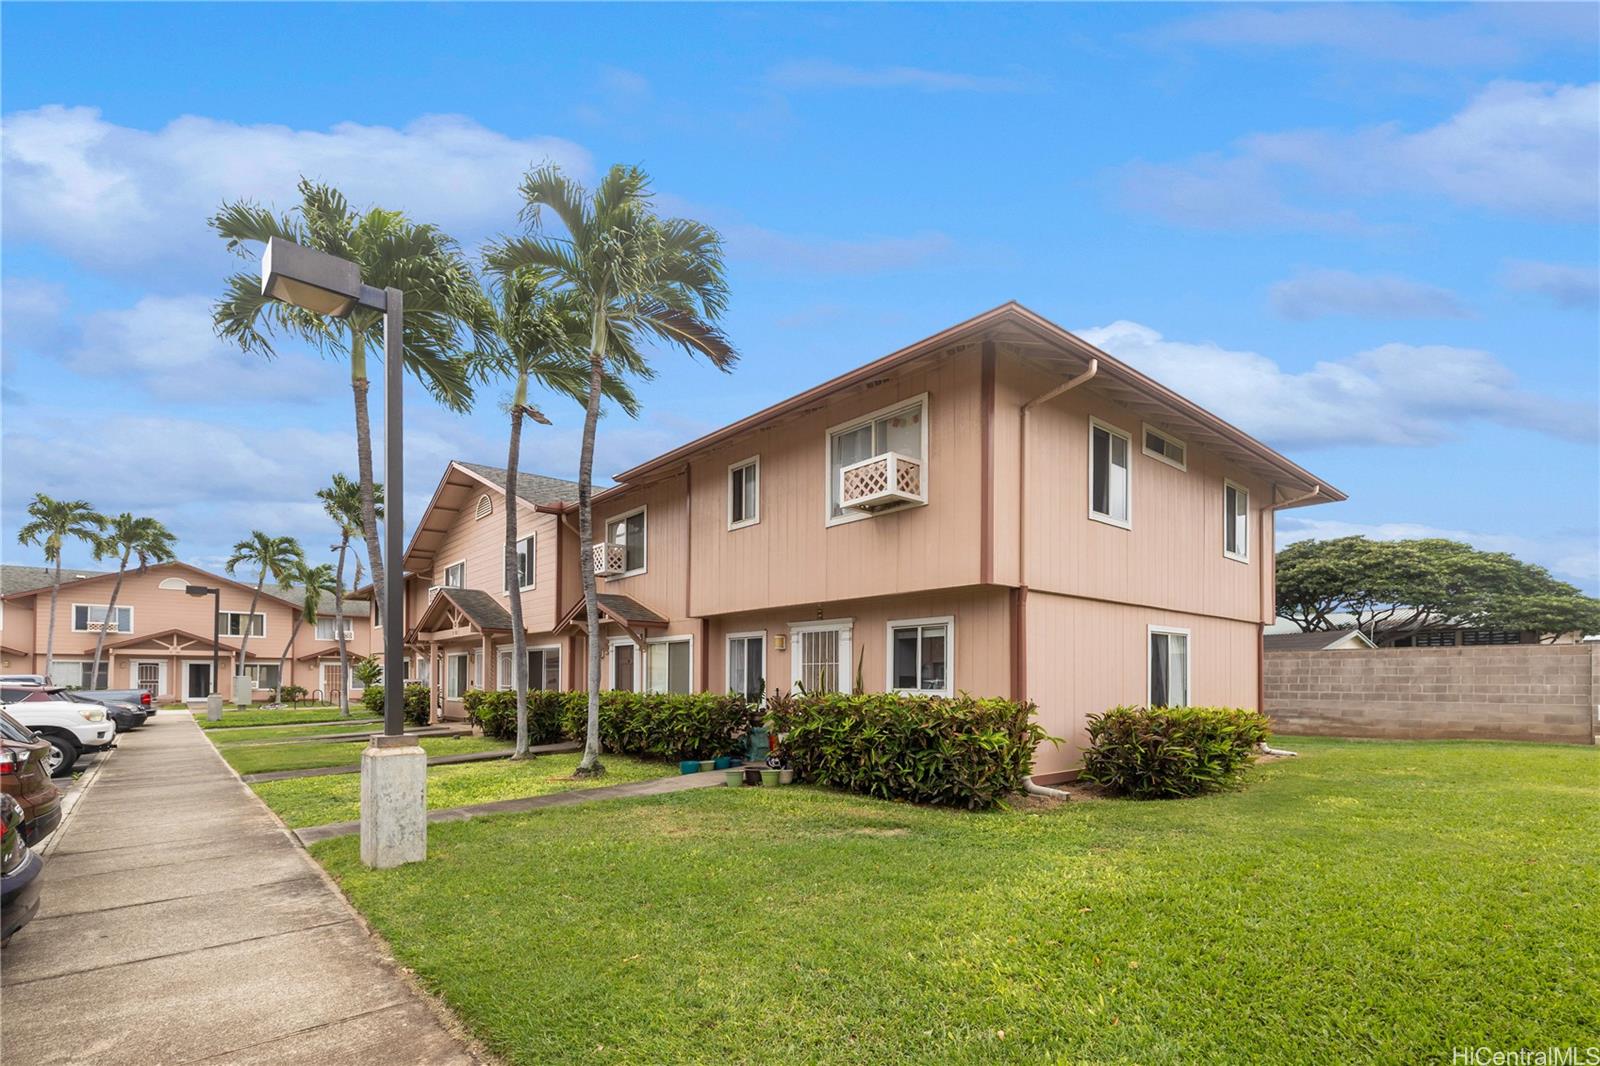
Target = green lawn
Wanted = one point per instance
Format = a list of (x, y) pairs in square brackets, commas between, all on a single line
[(320, 800), (260, 758), (278, 734), (1369, 901), (232, 719)]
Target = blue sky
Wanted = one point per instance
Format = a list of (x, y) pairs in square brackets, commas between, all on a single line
[(1366, 234)]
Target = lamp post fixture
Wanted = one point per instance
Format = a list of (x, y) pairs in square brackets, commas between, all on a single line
[(394, 768), (214, 697)]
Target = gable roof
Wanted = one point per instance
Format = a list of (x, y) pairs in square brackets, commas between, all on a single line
[(15, 578), (1319, 640), (459, 490), (77, 577), (535, 488), (1049, 347), (624, 610), (481, 609)]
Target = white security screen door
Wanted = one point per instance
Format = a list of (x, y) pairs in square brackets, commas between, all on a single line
[(821, 656)]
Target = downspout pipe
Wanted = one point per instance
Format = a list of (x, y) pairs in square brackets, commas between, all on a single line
[(1033, 788), (1261, 646), (1022, 473)]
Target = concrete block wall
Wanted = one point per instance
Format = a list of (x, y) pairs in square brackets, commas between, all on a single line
[(1511, 692)]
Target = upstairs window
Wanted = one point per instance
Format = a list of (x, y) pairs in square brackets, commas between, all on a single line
[(455, 575), (1166, 448), (235, 622), (1109, 487), (744, 493), (327, 631), (1235, 522), (91, 617), (902, 428), (629, 531), (1169, 667), (525, 562)]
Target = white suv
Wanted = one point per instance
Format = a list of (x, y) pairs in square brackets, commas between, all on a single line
[(71, 728)]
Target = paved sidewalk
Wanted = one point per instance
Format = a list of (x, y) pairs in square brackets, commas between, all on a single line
[(181, 924), (659, 786)]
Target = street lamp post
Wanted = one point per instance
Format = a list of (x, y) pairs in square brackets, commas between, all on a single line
[(214, 697), (394, 768)]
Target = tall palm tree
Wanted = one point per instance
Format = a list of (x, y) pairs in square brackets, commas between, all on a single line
[(533, 335), (312, 581), (126, 538), (637, 276), (53, 522), (269, 556), (393, 252), (343, 500)]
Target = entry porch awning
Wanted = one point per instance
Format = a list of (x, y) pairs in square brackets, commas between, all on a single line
[(455, 613), (634, 617)]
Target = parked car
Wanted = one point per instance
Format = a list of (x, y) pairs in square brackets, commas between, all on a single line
[(125, 714), (19, 872), (24, 679), (69, 728), (25, 777)]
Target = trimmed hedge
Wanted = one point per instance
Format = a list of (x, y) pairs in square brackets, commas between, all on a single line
[(653, 724), (416, 699), (1166, 752), (959, 751)]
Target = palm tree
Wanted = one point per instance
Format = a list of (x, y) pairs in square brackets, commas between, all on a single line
[(343, 500), (269, 556), (636, 275), (533, 334), (312, 581), (125, 538), (392, 252), (53, 522)]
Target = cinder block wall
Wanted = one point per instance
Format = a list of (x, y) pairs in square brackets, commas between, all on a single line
[(1515, 692)]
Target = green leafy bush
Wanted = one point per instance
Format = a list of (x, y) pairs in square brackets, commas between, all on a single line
[(417, 700), (496, 713), (290, 694), (1165, 752), (959, 751)]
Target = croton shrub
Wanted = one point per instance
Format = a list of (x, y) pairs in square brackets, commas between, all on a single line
[(1167, 752), (661, 725)]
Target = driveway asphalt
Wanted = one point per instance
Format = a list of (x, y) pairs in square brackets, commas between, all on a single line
[(180, 923)]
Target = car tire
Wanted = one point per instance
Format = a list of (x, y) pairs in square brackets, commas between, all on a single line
[(63, 753)]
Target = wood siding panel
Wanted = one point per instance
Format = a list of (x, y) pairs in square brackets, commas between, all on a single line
[(481, 543)]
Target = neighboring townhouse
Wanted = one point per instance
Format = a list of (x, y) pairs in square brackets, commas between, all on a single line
[(1000, 508), (161, 638)]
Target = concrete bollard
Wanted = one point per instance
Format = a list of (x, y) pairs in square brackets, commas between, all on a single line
[(214, 706), (394, 802)]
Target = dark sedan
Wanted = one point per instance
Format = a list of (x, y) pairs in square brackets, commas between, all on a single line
[(25, 776), (19, 872)]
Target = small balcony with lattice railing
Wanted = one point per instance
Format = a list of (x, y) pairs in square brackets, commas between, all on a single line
[(881, 482)]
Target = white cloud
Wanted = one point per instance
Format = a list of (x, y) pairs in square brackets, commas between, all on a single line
[(1317, 293), (1396, 394), (1516, 148), (31, 311), (167, 344), (1576, 557), (827, 74), (117, 197), (1571, 287), (825, 255)]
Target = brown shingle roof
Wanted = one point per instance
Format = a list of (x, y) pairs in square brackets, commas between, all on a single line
[(535, 488), (14, 578), (484, 610), (624, 609)]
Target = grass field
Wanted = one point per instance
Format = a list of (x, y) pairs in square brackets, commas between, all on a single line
[(308, 801), (259, 758), (1369, 901), (233, 719)]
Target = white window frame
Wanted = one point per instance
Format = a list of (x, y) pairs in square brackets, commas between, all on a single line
[(349, 631), (107, 608), (949, 623), (183, 668), (502, 677), (727, 654), (532, 540), (644, 526), (84, 666), (856, 423), (1145, 430), (642, 659), (449, 673), (749, 520), (1188, 660), (611, 657), (255, 677), (444, 578), (226, 625), (1227, 521), (845, 627), (1094, 424)]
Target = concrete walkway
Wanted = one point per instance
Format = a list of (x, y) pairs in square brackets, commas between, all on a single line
[(565, 747), (180, 924), (657, 787)]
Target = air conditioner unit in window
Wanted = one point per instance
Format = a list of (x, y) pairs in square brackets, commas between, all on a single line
[(884, 481), (610, 559)]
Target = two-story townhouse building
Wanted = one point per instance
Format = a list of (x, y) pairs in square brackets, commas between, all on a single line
[(160, 638), (1000, 508)]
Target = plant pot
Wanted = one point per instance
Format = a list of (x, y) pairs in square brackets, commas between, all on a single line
[(752, 775), (724, 762), (689, 766), (733, 778), (785, 777), (707, 765), (769, 777)]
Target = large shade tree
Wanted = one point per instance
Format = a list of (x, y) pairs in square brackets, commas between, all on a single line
[(343, 500), (1398, 588), (637, 277), (126, 538), (51, 523), (533, 336), (268, 556), (392, 252)]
